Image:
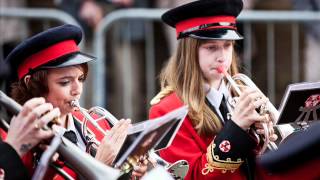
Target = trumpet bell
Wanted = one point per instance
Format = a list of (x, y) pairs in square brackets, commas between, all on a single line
[(268, 109), (178, 169), (248, 82)]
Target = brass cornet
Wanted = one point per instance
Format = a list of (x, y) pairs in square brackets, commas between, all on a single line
[(178, 169), (281, 130), (269, 109), (81, 162), (265, 109)]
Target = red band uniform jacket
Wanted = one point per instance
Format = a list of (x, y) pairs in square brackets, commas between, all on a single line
[(222, 156), (210, 157)]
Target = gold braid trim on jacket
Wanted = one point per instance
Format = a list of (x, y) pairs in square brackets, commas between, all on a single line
[(214, 162), (163, 93)]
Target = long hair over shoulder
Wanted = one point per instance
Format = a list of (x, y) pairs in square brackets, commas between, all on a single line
[(183, 75)]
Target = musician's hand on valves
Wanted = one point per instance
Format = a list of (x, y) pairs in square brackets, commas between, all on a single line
[(245, 110), (141, 168), (112, 142), (259, 129), (26, 129)]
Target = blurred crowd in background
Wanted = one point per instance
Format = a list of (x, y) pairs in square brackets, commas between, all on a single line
[(128, 37)]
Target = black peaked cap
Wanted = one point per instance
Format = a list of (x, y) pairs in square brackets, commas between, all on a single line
[(202, 8), (41, 41)]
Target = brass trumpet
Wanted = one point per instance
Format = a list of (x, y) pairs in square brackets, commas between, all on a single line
[(283, 131), (178, 169), (266, 109), (81, 162)]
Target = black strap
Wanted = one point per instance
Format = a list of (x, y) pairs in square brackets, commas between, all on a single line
[(247, 167), (213, 109), (71, 136), (78, 125), (224, 109)]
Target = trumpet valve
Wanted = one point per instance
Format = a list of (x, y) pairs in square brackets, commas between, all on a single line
[(133, 161), (56, 121), (129, 164)]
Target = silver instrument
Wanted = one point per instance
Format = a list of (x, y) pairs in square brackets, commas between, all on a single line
[(178, 169), (81, 162), (283, 131), (269, 108)]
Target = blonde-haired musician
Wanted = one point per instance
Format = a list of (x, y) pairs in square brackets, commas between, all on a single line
[(216, 145)]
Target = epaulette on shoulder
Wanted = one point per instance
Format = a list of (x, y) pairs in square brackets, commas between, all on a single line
[(163, 93)]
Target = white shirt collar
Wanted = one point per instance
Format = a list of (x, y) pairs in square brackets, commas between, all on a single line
[(215, 96), (72, 127)]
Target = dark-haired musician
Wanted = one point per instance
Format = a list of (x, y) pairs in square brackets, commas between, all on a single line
[(51, 65)]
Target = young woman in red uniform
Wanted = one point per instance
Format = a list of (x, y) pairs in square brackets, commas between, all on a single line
[(216, 145), (50, 65)]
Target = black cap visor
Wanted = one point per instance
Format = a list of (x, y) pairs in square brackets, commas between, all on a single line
[(216, 34), (69, 60)]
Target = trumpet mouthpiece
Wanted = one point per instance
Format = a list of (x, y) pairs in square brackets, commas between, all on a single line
[(220, 70), (74, 103)]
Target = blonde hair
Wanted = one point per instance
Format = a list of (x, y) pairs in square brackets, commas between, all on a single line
[(183, 75)]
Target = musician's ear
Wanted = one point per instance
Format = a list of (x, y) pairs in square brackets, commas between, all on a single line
[(26, 79)]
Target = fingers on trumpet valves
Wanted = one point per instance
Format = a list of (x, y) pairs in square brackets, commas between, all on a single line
[(30, 105), (270, 130), (259, 128), (36, 114), (263, 109), (260, 103), (51, 118), (253, 99), (270, 126), (48, 118), (272, 135), (233, 101), (262, 119), (138, 161), (248, 94), (140, 167)]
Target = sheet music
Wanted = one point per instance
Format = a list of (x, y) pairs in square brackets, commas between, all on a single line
[(292, 105)]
